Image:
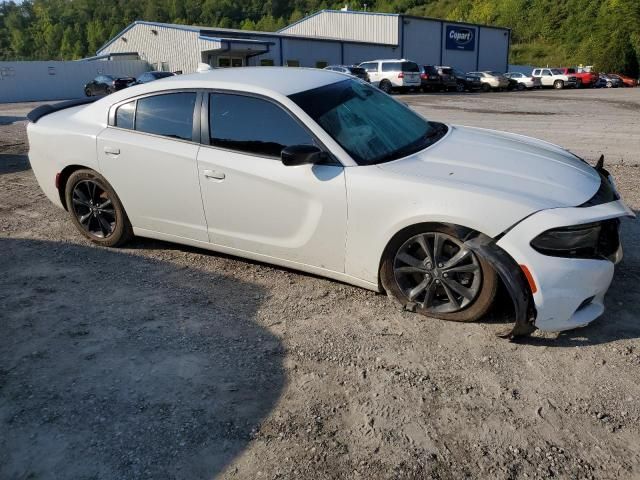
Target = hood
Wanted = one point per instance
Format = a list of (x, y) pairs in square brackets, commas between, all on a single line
[(535, 172)]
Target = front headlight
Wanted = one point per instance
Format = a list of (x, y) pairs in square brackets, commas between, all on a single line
[(589, 240)]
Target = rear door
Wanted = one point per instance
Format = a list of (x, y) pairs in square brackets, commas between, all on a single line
[(256, 204), (148, 154), (411, 73)]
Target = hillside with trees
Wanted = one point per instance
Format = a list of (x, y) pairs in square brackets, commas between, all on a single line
[(604, 33)]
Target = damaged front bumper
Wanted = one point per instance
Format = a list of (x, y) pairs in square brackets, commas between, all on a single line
[(568, 292)]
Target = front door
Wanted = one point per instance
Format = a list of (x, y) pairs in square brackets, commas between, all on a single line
[(254, 203), (148, 156)]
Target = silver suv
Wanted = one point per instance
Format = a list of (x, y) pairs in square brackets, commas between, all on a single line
[(389, 75)]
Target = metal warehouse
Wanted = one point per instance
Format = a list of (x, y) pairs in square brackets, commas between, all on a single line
[(324, 38)]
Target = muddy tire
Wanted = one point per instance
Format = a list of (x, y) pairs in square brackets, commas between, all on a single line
[(96, 210), (430, 271)]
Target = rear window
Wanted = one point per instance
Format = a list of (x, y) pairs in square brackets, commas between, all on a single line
[(446, 71), (410, 67), (571, 70), (357, 70), (169, 115), (430, 69)]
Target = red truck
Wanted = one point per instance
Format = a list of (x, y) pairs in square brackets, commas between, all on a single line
[(584, 79)]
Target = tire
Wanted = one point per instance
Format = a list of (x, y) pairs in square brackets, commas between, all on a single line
[(609, 85), (87, 92), (460, 87), (486, 87), (109, 227), (478, 281), (558, 84), (520, 87), (385, 86)]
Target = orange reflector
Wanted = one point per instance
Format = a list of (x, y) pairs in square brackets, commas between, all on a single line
[(527, 274)]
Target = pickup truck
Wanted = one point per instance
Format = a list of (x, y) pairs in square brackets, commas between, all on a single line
[(554, 77), (583, 79)]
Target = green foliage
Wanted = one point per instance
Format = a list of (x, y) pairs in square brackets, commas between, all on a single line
[(604, 33)]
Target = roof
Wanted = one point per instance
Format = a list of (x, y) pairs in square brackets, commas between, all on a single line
[(232, 34), (265, 80)]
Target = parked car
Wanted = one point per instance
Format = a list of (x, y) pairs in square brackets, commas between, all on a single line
[(554, 77), (467, 81), (626, 81), (523, 81), (358, 72), (147, 77), (608, 81), (106, 84), (437, 78), (237, 170), (492, 80), (389, 75), (583, 78)]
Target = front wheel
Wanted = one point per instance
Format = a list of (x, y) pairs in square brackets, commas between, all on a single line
[(96, 210), (385, 86), (87, 92), (486, 87), (558, 84), (432, 271), (459, 87)]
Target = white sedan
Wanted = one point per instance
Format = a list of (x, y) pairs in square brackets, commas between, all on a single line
[(321, 172)]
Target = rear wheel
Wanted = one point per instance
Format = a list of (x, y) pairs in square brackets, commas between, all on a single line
[(486, 87), (558, 84), (385, 86), (432, 271), (459, 87), (87, 92), (96, 210), (521, 86)]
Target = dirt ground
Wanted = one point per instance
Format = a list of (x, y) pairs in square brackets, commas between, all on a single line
[(162, 361)]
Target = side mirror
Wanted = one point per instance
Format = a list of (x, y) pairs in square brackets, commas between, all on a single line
[(302, 155)]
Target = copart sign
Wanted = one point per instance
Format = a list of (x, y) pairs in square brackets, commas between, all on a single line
[(460, 38)]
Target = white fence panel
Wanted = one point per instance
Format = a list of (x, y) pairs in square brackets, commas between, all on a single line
[(33, 81)]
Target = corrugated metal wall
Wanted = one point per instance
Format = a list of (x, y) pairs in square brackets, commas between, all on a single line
[(355, 26), (32, 81), (494, 48), (422, 41), (178, 49)]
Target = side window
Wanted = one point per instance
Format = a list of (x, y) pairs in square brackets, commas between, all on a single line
[(370, 67), (536, 73), (252, 125), (390, 67), (169, 115), (546, 73), (125, 115)]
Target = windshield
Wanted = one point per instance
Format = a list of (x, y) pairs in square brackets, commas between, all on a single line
[(371, 126)]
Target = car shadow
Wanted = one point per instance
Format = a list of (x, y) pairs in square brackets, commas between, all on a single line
[(10, 119), (12, 163), (620, 319), (113, 365)]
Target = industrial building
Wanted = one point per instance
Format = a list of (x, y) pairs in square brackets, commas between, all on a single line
[(324, 38)]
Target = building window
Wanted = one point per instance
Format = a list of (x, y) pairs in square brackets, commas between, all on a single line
[(225, 62), (293, 63), (321, 64), (266, 62)]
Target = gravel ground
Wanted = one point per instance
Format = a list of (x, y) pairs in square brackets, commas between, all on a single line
[(162, 361)]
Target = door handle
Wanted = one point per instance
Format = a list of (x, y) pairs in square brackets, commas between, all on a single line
[(213, 174), (112, 151)]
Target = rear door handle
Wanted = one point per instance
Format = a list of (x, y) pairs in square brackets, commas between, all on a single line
[(214, 174), (112, 151)]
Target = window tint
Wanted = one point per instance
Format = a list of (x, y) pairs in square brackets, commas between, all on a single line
[(124, 115), (170, 115), (370, 67), (410, 67), (390, 66), (252, 125)]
